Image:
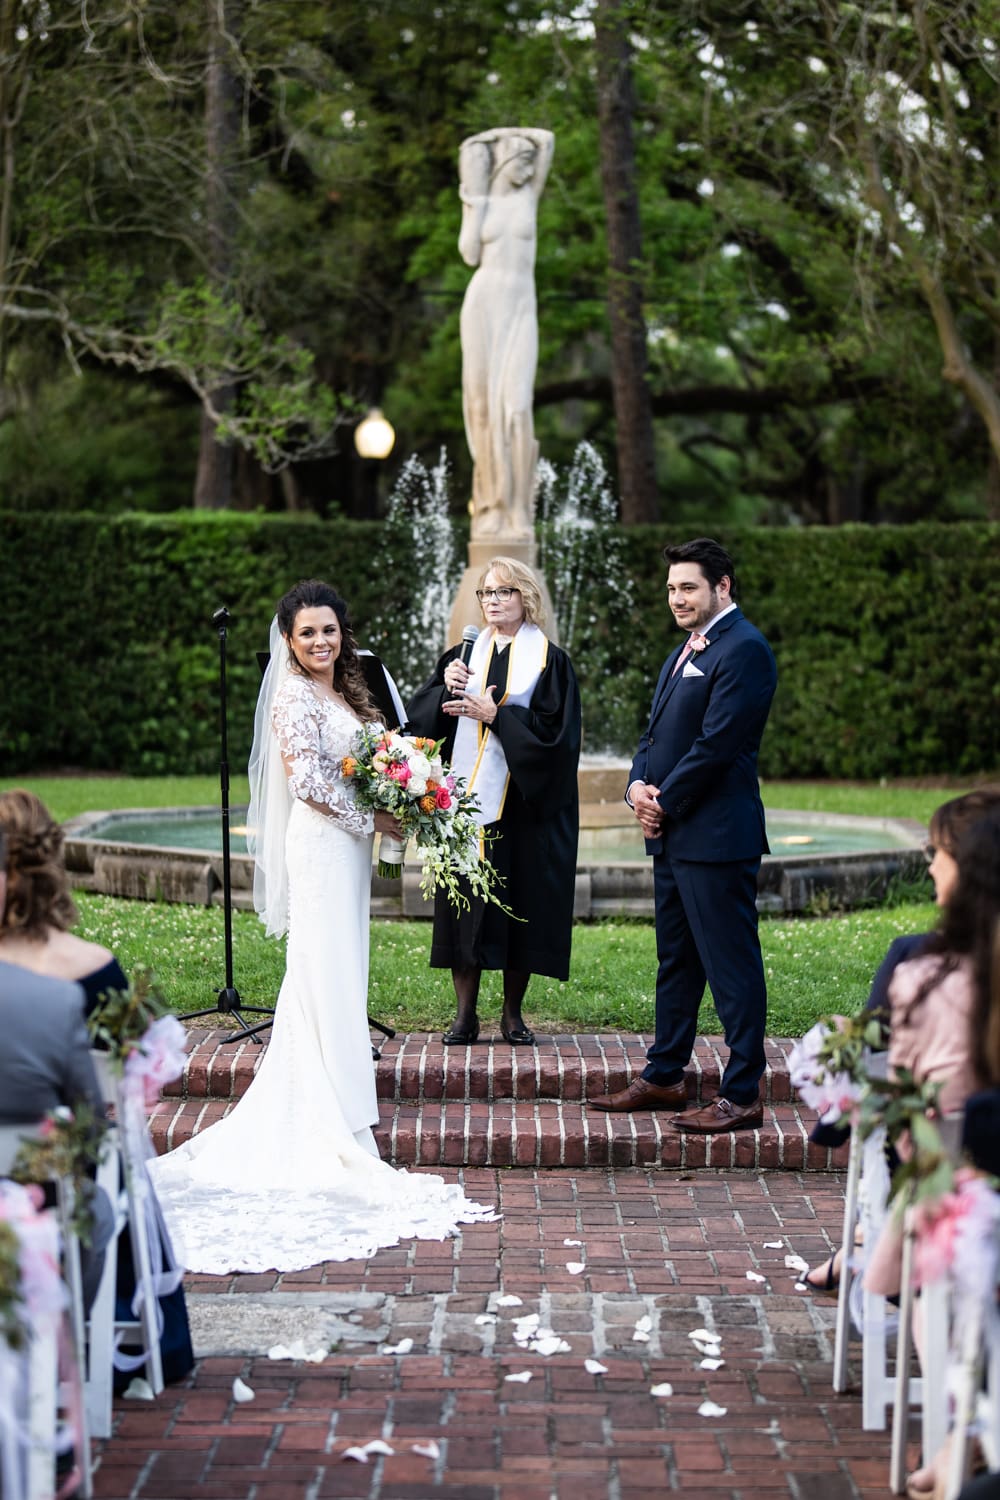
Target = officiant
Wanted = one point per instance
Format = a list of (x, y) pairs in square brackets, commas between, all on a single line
[(512, 724)]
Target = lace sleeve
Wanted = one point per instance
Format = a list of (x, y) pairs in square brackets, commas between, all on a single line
[(311, 776)]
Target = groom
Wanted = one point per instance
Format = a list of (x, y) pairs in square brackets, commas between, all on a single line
[(693, 787)]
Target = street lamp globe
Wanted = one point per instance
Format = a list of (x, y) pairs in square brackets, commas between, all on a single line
[(374, 437)]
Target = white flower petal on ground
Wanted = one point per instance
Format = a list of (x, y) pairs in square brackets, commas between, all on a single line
[(711, 1364), (362, 1454), (520, 1376), (594, 1367), (572, 1242), (509, 1300), (796, 1263), (574, 1267), (774, 1244), (664, 1389), (241, 1391), (139, 1390), (403, 1347), (426, 1450), (712, 1349), (709, 1409), (755, 1276), (644, 1325), (640, 1336), (800, 1286), (551, 1345), (526, 1328), (486, 1318), (705, 1335), (297, 1350)]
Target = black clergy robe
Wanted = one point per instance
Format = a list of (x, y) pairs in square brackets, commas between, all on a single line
[(534, 840)]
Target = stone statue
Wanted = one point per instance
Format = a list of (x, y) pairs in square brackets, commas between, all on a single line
[(502, 174)]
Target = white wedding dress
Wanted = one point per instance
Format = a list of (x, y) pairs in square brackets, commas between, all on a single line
[(292, 1176)]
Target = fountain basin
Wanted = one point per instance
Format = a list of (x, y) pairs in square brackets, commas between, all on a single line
[(819, 861)]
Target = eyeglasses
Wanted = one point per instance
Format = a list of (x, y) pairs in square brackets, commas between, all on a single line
[(500, 595)]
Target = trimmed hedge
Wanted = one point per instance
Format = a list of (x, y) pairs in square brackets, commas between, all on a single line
[(887, 638)]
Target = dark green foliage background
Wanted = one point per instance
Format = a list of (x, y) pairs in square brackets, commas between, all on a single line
[(887, 638)]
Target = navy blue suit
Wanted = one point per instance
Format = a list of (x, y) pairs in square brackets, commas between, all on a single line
[(700, 748)]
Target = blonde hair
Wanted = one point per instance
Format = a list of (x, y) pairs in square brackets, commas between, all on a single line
[(37, 884), (519, 576)]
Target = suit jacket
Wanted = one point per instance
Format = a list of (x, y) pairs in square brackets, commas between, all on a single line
[(45, 1050), (700, 745)]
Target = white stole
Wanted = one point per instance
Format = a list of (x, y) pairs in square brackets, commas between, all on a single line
[(478, 754)]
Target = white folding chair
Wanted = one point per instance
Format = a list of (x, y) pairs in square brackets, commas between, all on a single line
[(130, 1190), (42, 1363), (935, 1312)]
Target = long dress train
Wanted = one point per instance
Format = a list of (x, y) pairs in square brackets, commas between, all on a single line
[(292, 1176)]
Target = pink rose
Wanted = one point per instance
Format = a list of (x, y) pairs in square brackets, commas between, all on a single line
[(443, 798)]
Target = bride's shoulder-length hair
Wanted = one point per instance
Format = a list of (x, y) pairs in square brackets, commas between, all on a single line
[(348, 678)]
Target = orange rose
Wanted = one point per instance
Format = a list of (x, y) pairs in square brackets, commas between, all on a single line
[(432, 786), (348, 765), (428, 804)]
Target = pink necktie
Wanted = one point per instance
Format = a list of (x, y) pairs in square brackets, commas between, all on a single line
[(688, 648)]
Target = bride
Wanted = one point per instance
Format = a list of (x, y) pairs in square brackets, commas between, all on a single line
[(292, 1175)]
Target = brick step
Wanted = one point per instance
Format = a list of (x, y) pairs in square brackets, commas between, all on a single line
[(547, 1133), (416, 1069)]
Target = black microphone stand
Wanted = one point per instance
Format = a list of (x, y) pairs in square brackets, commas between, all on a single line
[(229, 1002)]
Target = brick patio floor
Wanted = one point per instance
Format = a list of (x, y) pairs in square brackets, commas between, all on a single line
[(669, 1246)]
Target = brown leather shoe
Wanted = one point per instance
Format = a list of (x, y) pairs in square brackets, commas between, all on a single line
[(721, 1115), (642, 1095)]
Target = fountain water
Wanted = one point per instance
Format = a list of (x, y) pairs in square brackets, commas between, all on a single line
[(420, 560), (583, 558)]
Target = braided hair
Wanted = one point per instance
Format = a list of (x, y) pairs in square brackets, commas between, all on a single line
[(37, 884)]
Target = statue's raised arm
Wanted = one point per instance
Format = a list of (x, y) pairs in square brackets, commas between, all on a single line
[(502, 173)]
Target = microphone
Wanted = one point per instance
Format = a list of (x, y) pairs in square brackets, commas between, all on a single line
[(470, 636)]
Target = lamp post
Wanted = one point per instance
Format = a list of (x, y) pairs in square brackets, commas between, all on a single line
[(373, 439), (375, 436)]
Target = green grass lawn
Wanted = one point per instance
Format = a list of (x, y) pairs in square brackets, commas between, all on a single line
[(814, 965)]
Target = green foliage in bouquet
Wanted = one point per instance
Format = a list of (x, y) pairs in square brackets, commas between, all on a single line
[(12, 1330), (68, 1143), (121, 1020), (845, 1047)]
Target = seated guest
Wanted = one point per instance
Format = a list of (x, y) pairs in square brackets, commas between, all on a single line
[(944, 1023), (45, 1062), (35, 932), (37, 948), (948, 826)]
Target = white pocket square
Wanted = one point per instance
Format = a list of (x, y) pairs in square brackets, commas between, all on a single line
[(690, 670)]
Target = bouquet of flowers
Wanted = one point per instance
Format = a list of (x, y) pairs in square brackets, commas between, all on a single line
[(66, 1143), (404, 775), (30, 1283)]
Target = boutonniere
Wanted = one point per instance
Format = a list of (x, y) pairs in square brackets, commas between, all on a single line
[(698, 642)]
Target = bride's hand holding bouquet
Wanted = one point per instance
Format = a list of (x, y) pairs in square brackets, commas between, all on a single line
[(404, 776)]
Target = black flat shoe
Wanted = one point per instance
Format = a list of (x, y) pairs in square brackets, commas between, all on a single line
[(829, 1283), (456, 1037), (519, 1037)]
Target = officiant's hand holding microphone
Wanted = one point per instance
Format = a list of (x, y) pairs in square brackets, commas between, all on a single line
[(464, 704)]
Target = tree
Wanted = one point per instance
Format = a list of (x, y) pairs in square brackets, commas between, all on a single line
[(104, 234), (633, 417)]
